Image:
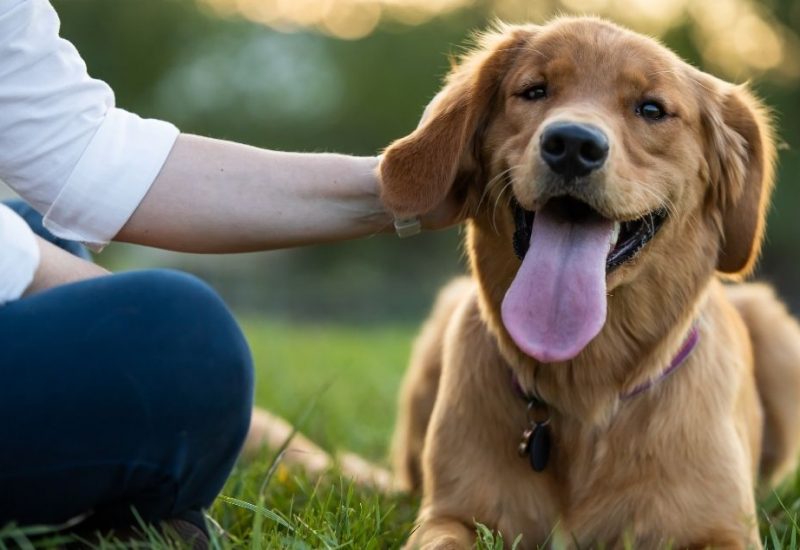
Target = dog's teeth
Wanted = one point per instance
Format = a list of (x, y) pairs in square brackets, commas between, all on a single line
[(614, 235)]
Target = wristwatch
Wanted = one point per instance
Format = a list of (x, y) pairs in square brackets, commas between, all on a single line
[(407, 227)]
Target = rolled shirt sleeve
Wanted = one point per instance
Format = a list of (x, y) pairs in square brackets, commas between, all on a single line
[(19, 255), (64, 146)]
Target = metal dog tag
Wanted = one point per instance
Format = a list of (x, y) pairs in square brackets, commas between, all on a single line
[(539, 447), (525, 444), (536, 445)]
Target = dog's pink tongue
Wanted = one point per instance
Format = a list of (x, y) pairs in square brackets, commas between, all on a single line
[(557, 301)]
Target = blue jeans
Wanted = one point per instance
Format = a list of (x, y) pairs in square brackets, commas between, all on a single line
[(127, 391)]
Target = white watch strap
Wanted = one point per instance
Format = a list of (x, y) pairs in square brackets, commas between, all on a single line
[(407, 227)]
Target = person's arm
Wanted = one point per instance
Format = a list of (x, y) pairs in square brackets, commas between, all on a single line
[(29, 264), (19, 255), (218, 196), (98, 173), (64, 146), (59, 267)]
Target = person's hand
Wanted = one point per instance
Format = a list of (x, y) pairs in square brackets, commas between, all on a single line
[(451, 210), (446, 214)]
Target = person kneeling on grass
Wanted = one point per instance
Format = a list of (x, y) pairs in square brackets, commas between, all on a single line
[(133, 391)]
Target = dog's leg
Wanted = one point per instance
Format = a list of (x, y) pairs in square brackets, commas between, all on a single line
[(471, 468), (271, 432), (441, 534), (775, 336), (421, 382)]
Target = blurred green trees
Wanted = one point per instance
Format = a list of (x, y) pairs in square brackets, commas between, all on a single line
[(230, 78)]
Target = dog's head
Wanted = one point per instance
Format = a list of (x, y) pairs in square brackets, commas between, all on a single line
[(599, 160)]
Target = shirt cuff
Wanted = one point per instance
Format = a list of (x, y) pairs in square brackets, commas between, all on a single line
[(19, 255), (111, 178)]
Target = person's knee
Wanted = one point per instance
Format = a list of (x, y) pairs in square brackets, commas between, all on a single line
[(185, 302), (203, 333), (217, 383), (161, 390)]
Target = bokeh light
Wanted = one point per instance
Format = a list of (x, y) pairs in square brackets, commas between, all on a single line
[(738, 38), (347, 19)]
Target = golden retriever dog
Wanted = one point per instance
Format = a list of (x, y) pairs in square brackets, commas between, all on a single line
[(594, 383)]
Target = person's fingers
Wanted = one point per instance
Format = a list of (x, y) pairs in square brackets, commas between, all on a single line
[(449, 212)]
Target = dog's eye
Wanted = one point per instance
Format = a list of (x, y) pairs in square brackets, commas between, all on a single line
[(651, 110), (534, 93)]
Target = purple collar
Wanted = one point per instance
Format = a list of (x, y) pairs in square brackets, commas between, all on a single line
[(684, 352), (686, 349), (536, 440)]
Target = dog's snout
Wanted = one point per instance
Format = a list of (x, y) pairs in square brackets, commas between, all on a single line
[(572, 149)]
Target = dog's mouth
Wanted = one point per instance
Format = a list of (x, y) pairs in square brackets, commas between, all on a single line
[(556, 303), (628, 237)]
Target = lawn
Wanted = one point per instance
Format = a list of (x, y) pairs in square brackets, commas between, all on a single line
[(342, 383)]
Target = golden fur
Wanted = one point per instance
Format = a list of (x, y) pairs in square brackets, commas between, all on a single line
[(677, 464)]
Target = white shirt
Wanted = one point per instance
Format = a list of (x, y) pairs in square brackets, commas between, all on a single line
[(64, 147)]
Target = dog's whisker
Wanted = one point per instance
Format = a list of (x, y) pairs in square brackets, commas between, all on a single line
[(492, 182), (662, 200), (496, 203)]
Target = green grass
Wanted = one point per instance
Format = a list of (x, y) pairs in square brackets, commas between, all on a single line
[(352, 372), (344, 381)]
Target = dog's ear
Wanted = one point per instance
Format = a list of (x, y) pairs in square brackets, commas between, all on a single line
[(741, 170), (417, 171)]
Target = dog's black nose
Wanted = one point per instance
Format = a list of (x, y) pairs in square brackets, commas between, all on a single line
[(573, 150)]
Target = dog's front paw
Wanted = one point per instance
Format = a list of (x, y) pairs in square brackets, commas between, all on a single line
[(446, 542), (441, 534)]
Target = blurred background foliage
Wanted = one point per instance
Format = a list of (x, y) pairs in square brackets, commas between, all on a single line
[(352, 75)]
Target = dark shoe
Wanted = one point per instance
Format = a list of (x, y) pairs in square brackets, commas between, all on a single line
[(189, 528), (186, 531)]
